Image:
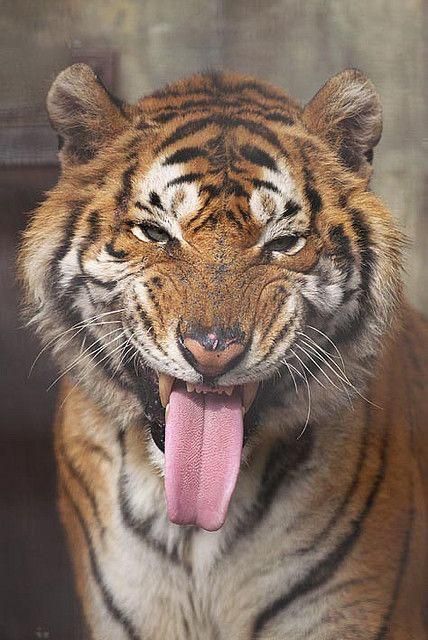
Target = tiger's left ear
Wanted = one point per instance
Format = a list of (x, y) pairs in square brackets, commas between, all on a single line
[(83, 113), (347, 113)]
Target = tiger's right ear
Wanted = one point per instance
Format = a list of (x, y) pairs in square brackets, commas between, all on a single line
[(83, 113)]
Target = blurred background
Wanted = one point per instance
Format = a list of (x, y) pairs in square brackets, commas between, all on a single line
[(136, 46)]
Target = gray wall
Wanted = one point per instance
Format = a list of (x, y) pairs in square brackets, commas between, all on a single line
[(293, 43)]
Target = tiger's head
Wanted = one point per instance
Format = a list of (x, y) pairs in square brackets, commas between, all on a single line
[(215, 245)]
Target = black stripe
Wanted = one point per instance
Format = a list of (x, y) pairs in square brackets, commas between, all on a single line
[(185, 155), (314, 198), (368, 261), (231, 216), (143, 207), (81, 481), (290, 210), (185, 130), (125, 192), (143, 528), (232, 187), (265, 184), (75, 212), (351, 329), (257, 156), (210, 220), (343, 250), (328, 566), (284, 460), (82, 279), (404, 556), (155, 200), (280, 295), (280, 117), (266, 92), (260, 130), (187, 178), (112, 607), (194, 126), (245, 214), (115, 253), (322, 535), (275, 342), (148, 326)]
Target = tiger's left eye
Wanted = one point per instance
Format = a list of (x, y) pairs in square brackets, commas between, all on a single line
[(290, 245), (150, 233)]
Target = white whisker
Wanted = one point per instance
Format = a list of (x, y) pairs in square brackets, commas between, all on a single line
[(92, 321), (87, 353)]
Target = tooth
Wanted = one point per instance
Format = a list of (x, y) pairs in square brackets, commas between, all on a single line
[(229, 390), (190, 387), (166, 411), (249, 391), (165, 386)]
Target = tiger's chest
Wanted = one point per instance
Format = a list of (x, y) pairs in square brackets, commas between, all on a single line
[(174, 583), (198, 585)]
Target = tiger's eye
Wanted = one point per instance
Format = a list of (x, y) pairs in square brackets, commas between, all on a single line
[(290, 245), (150, 233)]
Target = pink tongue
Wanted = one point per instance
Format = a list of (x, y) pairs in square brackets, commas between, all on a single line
[(203, 445)]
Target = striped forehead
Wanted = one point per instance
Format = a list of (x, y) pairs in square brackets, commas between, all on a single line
[(169, 190), (276, 198)]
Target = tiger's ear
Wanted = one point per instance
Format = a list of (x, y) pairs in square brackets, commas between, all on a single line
[(83, 113), (347, 113)]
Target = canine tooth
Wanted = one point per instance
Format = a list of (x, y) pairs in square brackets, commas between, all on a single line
[(229, 390), (166, 411), (165, 386), (190, 387), (249, 391)]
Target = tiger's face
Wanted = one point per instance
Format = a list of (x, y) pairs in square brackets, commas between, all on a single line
[(215, 238)]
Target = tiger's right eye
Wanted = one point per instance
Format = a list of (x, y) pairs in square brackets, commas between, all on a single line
[(150, 233)]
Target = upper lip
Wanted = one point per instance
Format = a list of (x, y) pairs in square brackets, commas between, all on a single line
[(247, 391)]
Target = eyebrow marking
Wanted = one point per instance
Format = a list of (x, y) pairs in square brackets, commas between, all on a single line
[(290, 209), (142, 207), (265, 184), (155, 200)]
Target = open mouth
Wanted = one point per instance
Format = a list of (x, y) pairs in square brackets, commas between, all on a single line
[(204, 436), (247, 392)]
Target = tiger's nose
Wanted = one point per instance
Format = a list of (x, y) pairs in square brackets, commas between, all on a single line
[(214, 352)]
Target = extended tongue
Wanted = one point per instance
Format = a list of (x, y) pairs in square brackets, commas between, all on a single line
[(203, 446)]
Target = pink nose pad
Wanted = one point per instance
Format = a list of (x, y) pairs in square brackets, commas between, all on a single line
[(213, 360)]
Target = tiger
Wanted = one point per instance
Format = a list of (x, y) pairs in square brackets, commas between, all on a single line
[(240, 433)]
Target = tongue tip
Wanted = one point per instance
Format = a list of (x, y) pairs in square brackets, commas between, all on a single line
[(207, 521)]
